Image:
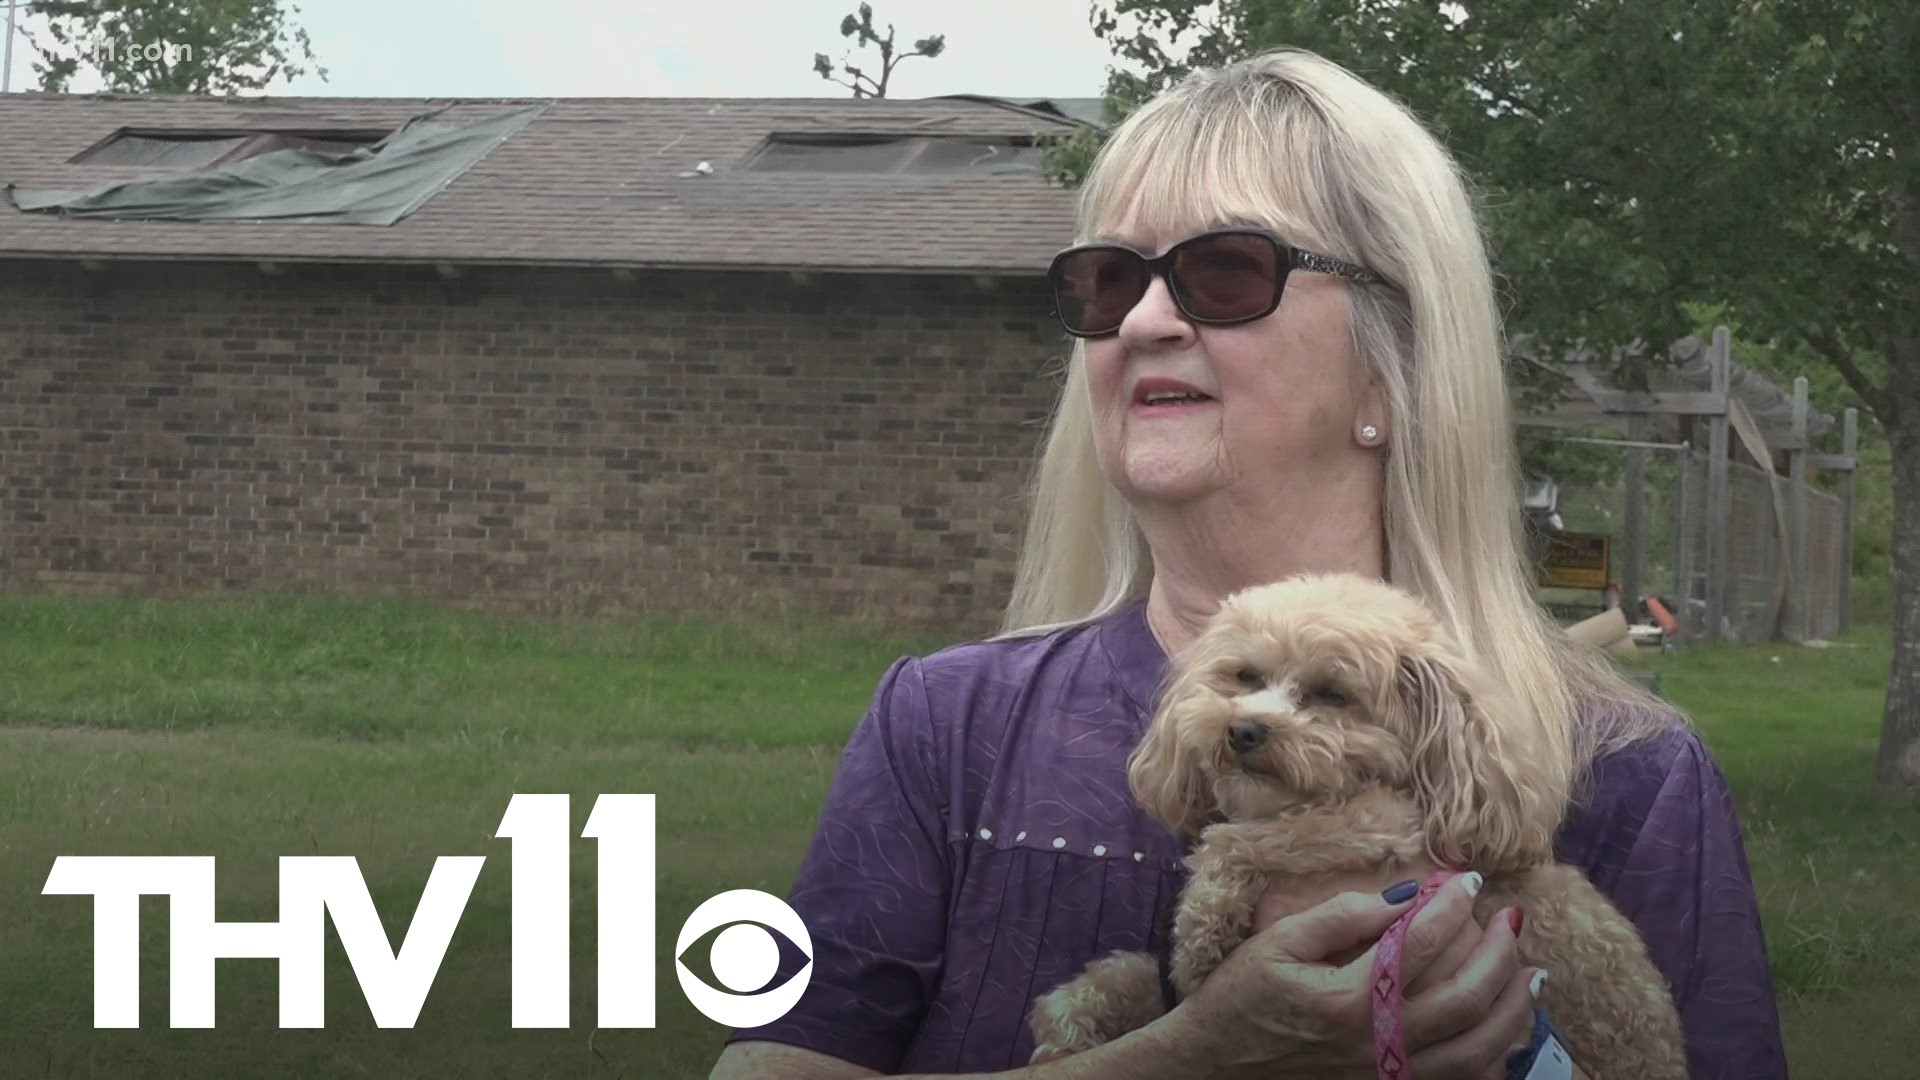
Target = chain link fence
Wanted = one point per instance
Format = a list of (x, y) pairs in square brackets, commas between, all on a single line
[(1674, 561)]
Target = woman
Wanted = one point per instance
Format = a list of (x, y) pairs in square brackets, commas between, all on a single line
[(1311, 383)]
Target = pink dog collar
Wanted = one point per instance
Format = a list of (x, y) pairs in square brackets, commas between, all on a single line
[(1389, 1036)]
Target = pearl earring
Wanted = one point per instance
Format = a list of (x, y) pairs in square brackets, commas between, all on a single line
[(1369, 434)]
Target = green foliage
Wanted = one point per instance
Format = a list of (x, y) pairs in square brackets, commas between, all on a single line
[(172, 46), (1069, 157), (1571, 464), (1873, 510), (862, 84)]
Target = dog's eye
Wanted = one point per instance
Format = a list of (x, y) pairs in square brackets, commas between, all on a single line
[(1248, 677), (1328, 695)]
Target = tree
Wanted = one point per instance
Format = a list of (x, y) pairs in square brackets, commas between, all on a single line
[(1635, 156), (171, 46), (862, 84)]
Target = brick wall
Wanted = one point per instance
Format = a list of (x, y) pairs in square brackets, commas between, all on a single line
[(552, 440)]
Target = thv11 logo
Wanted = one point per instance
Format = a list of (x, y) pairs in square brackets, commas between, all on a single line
[(395, 982)]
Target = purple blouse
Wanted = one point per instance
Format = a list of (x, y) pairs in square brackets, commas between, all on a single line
[(979, 847)]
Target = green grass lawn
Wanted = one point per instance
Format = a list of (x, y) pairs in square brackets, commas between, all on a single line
[(396, 733)]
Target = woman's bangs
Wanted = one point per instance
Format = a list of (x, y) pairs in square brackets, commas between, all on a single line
[(1228, 174)]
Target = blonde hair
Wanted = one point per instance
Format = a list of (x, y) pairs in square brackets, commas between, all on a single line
[(1292, 142)]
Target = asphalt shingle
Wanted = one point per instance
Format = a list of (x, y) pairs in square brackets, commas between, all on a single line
[(592, 181)]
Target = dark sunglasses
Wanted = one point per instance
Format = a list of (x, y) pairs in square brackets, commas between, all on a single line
[(1218, 278)]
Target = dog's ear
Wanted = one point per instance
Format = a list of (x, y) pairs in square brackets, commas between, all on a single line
[(1473, 760), (1164, 770)]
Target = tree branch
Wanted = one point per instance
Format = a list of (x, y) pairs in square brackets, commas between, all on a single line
[(1502, 90), (861, 28), (874, 89), (1829, 345)]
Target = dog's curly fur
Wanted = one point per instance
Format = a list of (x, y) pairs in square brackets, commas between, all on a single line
[(1328, 725)]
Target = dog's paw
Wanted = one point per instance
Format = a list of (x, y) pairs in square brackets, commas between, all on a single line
[(1114, 995)]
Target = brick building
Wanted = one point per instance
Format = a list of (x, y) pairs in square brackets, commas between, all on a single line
[(636, 354)]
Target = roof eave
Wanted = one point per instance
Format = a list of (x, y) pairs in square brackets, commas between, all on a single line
[(999, 271)]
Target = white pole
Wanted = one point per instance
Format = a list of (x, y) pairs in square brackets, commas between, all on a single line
[(6, 74)]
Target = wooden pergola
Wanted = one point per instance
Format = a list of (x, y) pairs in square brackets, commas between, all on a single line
[(1700, 397)]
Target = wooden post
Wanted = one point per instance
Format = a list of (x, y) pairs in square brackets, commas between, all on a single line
[(1799, 592), (1634, 579), (1717, 489), (1850, 446), (1683, 542)]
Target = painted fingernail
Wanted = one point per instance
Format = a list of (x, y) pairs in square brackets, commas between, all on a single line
[(1473, 881), (1400, 893), (1517, 918), (1539, 980)]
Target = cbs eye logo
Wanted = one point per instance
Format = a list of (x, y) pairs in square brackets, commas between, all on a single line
[(743, 957)]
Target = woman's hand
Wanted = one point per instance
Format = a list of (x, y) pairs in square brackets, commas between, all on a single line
[(1289, 896), (1280, 1003)]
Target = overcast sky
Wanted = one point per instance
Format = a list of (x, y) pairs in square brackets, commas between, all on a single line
[(687, 48)]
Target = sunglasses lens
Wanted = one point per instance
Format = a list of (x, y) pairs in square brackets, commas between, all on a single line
[(1225, 278), (1094, 288)]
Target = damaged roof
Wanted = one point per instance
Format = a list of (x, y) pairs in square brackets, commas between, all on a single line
[(937, 185)]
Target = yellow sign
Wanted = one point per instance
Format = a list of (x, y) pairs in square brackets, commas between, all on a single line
[(1576, 561)]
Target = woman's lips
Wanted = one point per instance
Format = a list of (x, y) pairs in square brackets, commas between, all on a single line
[(1158, 396), (1182, 407)]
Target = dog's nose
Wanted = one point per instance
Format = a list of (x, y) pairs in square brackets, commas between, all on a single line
[(1245, 735)]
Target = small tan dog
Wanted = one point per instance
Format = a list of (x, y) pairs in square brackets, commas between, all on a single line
[(1327, 725)]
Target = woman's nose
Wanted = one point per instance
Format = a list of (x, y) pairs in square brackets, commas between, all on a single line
[(1156, 320)]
